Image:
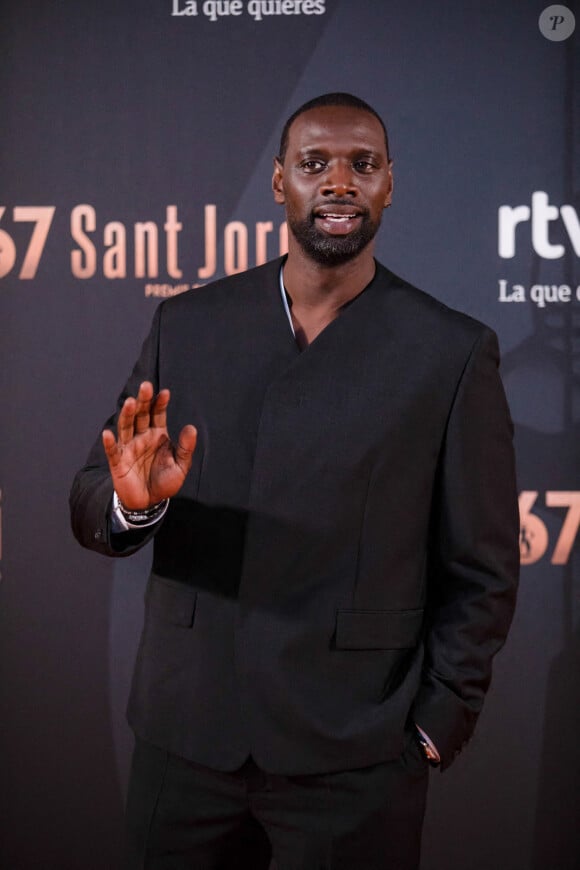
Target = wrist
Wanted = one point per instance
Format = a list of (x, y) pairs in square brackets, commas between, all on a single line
[(136, 517)]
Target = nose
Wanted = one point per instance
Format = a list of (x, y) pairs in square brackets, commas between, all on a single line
[(339, 180)]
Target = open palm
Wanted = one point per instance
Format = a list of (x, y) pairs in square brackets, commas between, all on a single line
[(145, 465)]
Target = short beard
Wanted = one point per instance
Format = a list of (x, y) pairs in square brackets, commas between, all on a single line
[(332, 250)]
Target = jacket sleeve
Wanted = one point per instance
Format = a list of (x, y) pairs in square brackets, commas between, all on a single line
[(92, 489), (474, 561)]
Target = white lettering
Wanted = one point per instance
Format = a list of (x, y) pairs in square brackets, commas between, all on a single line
[(509, 218), (542, 214), (258, 9), (254, 10), (517, 294), (190, 8), (215, 9), (542, 294), (572, 224)]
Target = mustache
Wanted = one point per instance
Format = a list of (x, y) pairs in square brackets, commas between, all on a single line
[(340, 200)]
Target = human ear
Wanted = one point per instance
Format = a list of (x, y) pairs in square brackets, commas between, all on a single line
[(389, 196), (278, 182)]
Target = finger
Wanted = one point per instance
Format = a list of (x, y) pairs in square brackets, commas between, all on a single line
[(111, 448), (143, 407), (159, 410), (185, 447), (126, 421)]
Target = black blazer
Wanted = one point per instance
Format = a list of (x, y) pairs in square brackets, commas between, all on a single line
[(343, 555)]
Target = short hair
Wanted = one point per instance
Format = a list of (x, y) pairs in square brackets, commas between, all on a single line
[(334, 99)]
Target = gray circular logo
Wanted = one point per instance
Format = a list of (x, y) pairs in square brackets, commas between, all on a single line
[(557, 23)]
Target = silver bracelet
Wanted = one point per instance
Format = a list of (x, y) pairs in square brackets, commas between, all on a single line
[(141, 517)]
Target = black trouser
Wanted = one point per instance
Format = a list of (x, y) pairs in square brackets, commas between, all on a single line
[(183, 816)]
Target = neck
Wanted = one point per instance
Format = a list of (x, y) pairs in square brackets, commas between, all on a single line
[(312, 285)]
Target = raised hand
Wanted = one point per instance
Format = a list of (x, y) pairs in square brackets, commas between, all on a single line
[(145, 465)]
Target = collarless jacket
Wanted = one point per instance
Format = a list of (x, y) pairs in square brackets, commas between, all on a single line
[(342, 557)]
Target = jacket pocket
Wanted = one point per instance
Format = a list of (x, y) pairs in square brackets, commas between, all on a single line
[(378, 629), (170, 601)]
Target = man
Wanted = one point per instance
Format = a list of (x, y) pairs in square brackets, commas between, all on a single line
[(335, 555)]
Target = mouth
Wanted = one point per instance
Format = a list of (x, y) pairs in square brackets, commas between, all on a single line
[(330, 216), (338, 220)]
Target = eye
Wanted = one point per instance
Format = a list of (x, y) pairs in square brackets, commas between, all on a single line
[(363, 166), (312, 165)]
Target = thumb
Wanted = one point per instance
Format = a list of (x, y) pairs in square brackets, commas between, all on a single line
[(185, 447)]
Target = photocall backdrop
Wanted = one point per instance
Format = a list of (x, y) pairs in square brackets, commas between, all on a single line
[(137, 139)]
